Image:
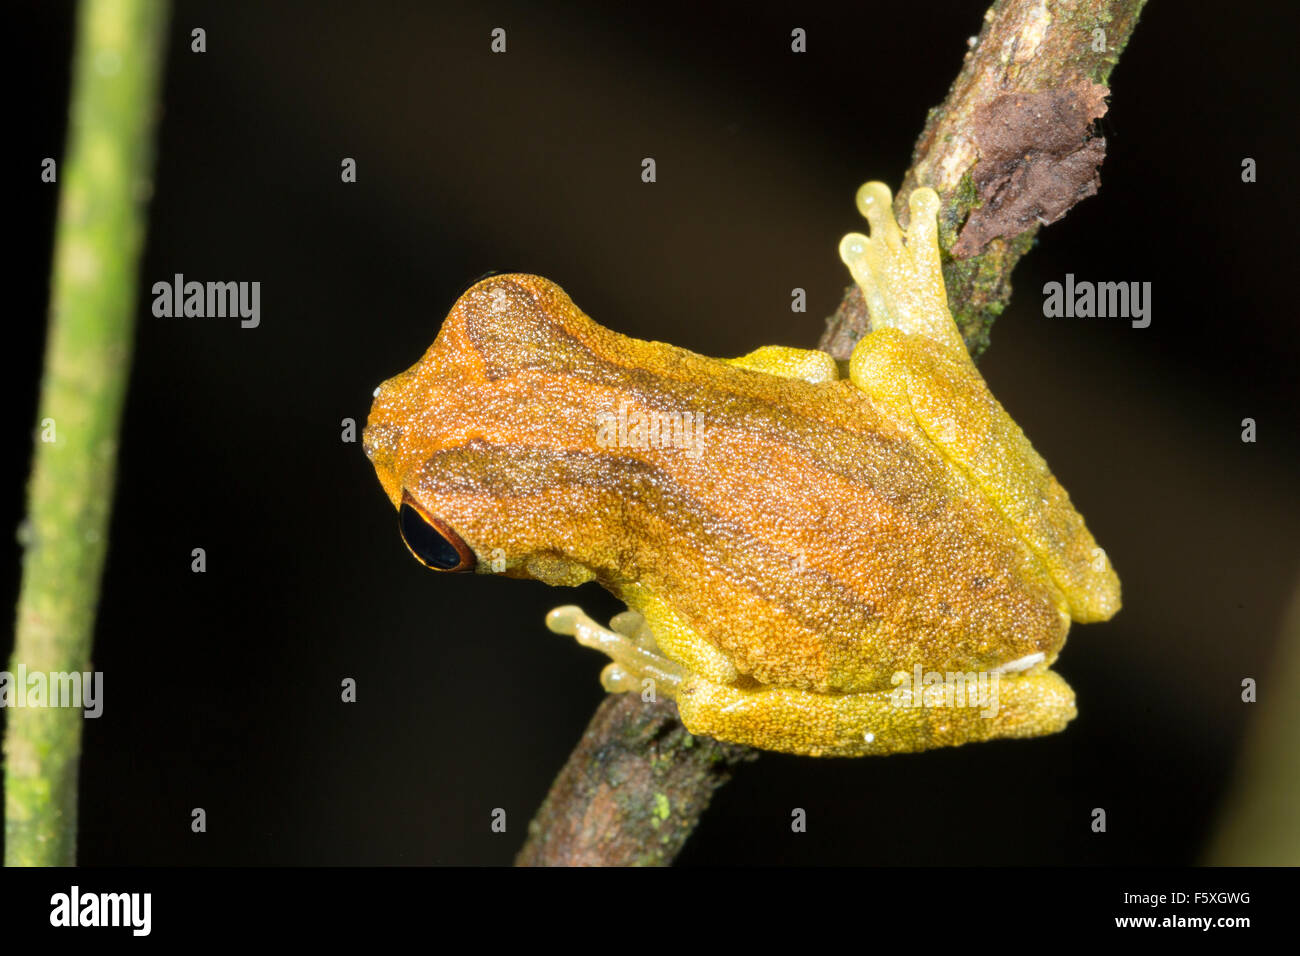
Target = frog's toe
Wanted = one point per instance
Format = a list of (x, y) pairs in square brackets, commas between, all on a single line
[(923, 231), (900, 274), (616, 680), (876, 203), (629, 644)]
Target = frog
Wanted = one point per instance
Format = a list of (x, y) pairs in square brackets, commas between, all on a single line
[(795, 538)]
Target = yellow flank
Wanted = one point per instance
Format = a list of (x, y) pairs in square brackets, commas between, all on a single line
[(814, 565)]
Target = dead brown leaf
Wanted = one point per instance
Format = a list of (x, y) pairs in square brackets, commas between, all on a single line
[(1037, 158)]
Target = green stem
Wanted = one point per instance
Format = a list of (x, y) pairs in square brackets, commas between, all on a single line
[(101, 222)]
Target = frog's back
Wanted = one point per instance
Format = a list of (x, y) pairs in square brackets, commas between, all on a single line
[(812, 540)]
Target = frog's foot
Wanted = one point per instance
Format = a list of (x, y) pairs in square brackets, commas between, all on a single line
[(913, 363), (629, 643), (899, 273)]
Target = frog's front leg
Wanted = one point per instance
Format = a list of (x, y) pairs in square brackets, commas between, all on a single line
[(629, 644), (914, 363)]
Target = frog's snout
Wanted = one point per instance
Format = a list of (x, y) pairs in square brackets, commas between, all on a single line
[(380, 440)]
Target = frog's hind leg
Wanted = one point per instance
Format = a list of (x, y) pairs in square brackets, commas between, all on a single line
[(879, 722), (951, 404), (914, 363)]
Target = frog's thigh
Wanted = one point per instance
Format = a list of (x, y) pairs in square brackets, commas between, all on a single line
[(854, 725), (809, 365), (946, 396)]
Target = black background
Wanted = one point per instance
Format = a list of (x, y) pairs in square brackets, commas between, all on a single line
[(222, 689)]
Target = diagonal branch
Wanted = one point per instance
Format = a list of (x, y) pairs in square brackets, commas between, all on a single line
[(1008, 150)]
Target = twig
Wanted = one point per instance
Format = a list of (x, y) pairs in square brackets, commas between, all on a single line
[(97, 244), (636, 785), (1036, 69), (632, 790)]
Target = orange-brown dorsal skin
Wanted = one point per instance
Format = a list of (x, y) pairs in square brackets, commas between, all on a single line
[(814, 540)]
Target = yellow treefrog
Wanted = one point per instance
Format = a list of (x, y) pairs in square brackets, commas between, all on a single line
[(792, 544)]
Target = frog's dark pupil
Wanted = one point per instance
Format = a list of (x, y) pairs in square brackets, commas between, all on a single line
[(426, 542)]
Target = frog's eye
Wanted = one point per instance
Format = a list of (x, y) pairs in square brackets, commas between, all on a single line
[(432, 540)]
